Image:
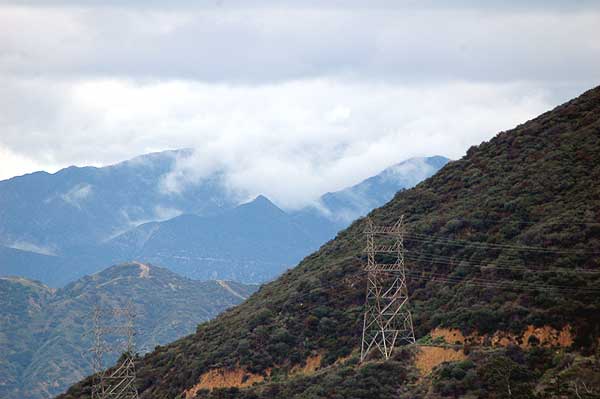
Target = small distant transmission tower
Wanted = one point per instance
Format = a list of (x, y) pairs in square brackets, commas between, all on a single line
[(119, 382), (387, 317)]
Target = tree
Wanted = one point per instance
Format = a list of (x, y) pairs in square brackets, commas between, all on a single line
[(506, 377)]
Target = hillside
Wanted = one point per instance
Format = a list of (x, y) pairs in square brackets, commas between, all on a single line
[(21, 303), (473, 228), (56, 228), (42, 331), (253, 242)]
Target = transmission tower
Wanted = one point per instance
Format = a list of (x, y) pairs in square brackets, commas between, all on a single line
[(387, 317), (116, 324)]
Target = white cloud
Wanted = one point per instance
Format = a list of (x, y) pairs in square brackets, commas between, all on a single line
[(414, 171), (12, 164), (165, 213), (270, 43), (289, 101), (278, 139), (77, 195), (30, 247)]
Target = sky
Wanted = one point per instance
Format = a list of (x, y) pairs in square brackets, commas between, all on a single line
[(289, 99)]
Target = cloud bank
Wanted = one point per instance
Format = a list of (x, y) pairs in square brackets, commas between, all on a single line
[(290, 100)]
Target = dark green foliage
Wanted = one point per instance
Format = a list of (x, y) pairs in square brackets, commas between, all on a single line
[(21, 301), (519, 189), (500, 373), (377, 380)]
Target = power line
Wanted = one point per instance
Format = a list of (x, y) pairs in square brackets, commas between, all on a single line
[(424, 257), (503, 283), (466, 243), (427, 276), (570, 222), (416, 274), (479, 244)]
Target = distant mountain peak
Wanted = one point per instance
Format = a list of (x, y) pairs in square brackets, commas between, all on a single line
[(261, 200), (350, 203), (262, 203), (132, 269), (261, 197)]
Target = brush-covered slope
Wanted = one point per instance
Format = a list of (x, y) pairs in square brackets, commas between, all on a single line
[(21, 302), (533, 186), (44, 332)]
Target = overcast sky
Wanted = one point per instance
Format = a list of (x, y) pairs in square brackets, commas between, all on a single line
[(291, 99)]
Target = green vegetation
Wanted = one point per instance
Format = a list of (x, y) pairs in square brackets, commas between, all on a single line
[(21, 301), (43, 333), (526, 187), (372, 381)]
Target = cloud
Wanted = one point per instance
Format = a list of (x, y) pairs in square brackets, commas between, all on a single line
[(16, 164), (255, 43), (30, 247), (78, 194), (291, 141), (279, 140), (165, 213), (289, 101), (413, 171)]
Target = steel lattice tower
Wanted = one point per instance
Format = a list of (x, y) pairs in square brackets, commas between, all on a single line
[(119, 382), (387, 317)]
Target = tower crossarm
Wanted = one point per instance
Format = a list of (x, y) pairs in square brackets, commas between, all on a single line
[(385, 249), (384, 267)]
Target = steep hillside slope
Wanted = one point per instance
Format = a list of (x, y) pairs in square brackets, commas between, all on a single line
[(21, 303), (43, 332), (500, 240)]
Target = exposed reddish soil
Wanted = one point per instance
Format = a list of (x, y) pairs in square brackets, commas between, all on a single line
[(428, 357), (543, 336), (312, 364), (223, 378)]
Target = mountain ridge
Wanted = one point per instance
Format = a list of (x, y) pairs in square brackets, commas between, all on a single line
[(462, 234), (97, 207), (252, 242)]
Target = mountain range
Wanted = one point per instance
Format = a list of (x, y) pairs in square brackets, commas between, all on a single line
[(46, 334), (58, 227), (503, 275)]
